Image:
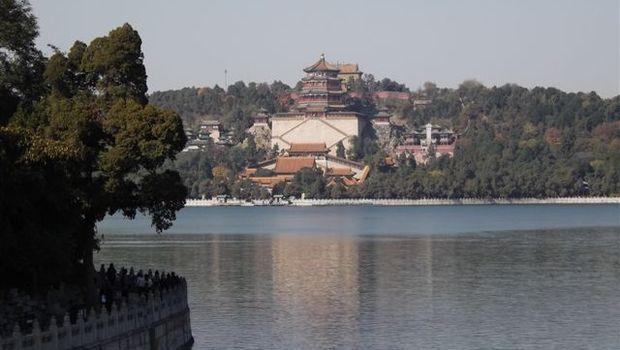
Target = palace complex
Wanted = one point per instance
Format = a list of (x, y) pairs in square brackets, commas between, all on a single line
[(317, 125), (307, 155), (320, 126)]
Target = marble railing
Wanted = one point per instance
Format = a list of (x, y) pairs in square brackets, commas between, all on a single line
[(143, 321)]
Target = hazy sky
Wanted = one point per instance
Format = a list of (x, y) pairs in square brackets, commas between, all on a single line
[(572, 45)]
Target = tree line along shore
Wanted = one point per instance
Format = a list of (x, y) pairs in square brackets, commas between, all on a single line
[(400, 202)]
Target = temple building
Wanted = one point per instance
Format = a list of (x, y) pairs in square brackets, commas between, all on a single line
[(210, 129), (307, 155), (348, 72), (432, 140), (319, 114)]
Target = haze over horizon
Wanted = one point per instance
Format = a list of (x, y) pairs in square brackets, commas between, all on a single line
[(574, 47)]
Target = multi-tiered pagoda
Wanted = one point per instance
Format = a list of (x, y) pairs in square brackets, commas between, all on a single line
[(320, 115), (321, 89)]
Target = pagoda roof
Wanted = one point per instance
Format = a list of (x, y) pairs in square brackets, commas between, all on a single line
[(320, 77), (291, 165), (308, 147), (348, 68), (321, 66)]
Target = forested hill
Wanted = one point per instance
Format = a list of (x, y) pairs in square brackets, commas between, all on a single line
[(237, 102), (514, 141)]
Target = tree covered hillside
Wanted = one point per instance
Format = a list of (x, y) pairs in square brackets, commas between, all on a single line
[(233, 106), (513, 141)]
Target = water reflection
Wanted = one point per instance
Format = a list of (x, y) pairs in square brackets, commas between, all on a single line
[(537, 289), (315, 288)]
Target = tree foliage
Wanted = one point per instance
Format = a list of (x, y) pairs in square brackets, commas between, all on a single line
[(233, 107), (513, 142), (21, 63), (309, 182), (85, 147)]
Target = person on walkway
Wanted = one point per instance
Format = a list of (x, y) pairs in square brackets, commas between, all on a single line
[(111, 274), (140, 282)]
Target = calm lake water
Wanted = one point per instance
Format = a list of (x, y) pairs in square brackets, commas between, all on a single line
[(455, 277)]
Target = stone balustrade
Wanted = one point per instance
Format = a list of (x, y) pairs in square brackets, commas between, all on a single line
[(157, 320)]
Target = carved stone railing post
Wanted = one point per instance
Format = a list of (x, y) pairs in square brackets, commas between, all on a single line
[(36, 335), (113, 330), (159, 303), (150, 308), (53, 332), (91, 335), (102, 324), (123, 314), (79, 338), (67, 340), (17, 337), (142, 310)]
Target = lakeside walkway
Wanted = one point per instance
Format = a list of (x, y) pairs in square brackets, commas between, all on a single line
[(406, 202), (138, 311)]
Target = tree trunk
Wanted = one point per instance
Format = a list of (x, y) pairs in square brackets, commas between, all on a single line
[(88, 273), (89, 277)]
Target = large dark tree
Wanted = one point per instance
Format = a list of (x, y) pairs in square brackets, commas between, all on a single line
[(93, 140), (119, 143)]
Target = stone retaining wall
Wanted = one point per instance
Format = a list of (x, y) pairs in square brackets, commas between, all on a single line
[(148, 322)]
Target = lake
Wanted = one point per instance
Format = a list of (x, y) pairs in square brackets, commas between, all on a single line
[(445, 277)]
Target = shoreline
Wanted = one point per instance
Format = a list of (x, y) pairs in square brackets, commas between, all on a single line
[(402, 202)]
